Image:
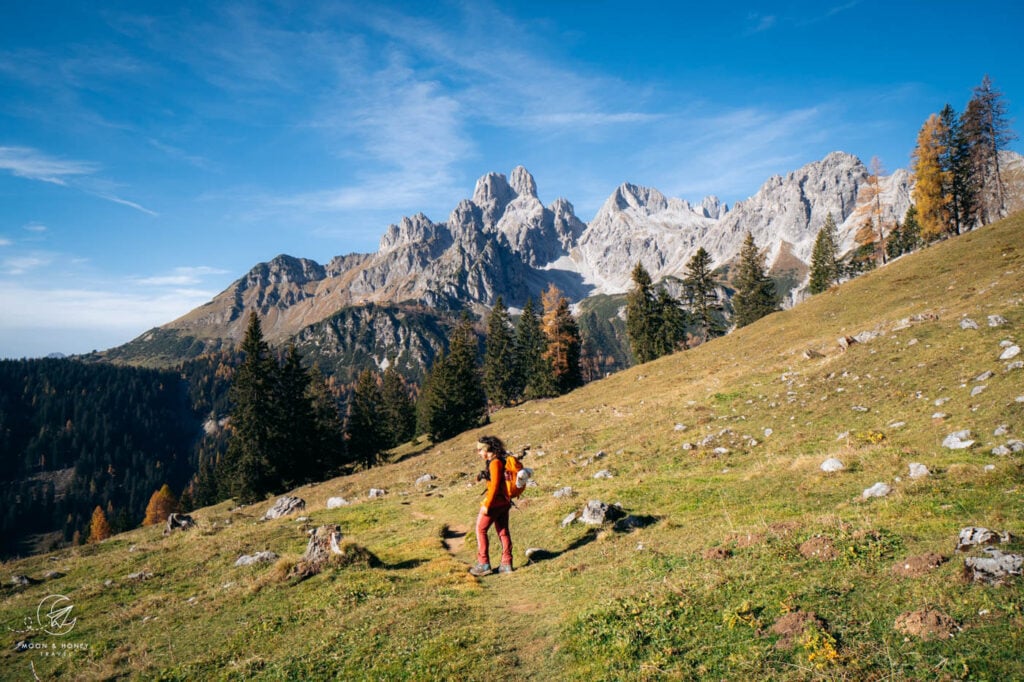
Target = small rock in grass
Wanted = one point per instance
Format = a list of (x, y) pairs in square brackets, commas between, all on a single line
[(918, 470), (958, 440), (832, 464), (877, 490), (1010, 353)]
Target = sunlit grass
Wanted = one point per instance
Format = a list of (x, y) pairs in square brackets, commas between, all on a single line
[(720, 445)]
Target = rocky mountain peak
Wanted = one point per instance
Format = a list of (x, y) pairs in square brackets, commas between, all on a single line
[(713, 207), (492, 194), (415, 229), (523, 183), (644, 200)]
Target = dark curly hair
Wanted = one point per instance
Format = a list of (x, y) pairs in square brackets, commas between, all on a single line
[(493, 444)]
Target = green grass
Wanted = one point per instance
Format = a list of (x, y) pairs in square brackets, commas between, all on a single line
[(693, 595)]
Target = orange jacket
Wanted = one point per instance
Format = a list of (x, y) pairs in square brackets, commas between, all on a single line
[(497, 490)]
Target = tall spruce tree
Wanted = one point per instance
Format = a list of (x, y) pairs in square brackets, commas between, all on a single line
[(365, 426), (501, 375), (452, 399), (987, 131), (397, 408), (328, 435), (700, 287), (755, 291), (563, 341), (642, 316), (251, 465), (672, 321), (536, 378), (955, 162), (825, 270)]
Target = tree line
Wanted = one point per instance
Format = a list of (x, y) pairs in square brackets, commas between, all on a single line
[(658, 323), (958, 186)]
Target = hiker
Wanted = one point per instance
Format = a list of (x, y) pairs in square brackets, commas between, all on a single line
[(495, 507)]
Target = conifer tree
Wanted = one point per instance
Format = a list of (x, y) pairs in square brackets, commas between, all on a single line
[(328, 437), (397, 408), (367, 437), (536, 378), (825, 270), (642, 316), (452, 399), (987, 131), (296, 453), (99, 528), (250, 464), (161, 505), (700, 291), (755, 292), (500, 370), (564, 344), (671, 323), (955, 162), (931, 179)]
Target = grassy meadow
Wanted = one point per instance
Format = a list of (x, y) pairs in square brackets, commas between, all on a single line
[(753, 562)]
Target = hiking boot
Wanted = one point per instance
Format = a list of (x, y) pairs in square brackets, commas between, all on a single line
[(481, 570), (505, 568)]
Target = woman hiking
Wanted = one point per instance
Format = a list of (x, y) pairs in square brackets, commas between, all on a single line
[(494, 509)]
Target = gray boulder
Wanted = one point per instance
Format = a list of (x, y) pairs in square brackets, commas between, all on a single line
[(975, 535), (597, 513), (335, 502), (831, 465), (995, 568), (958, 440), (877, 490), (968, 323), (179, 522), (1010, 352), (258, 558), (284, 506), (918, 470)]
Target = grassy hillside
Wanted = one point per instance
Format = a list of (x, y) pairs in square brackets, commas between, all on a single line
[(756, 563)]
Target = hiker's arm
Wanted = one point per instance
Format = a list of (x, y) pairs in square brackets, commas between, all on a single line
[(496, 479)]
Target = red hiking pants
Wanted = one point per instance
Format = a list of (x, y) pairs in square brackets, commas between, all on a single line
[(498, 517)]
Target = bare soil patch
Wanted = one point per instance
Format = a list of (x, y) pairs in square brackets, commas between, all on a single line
[(916, 566), (717, 553), (792, 625), (926, 624), (820, 547)]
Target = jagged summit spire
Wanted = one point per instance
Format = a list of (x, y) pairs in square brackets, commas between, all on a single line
[(523, 183)]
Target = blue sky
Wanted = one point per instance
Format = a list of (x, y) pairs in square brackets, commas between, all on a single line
[(152, 152)]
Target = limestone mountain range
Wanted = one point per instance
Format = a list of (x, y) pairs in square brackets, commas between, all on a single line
[(505, 242)]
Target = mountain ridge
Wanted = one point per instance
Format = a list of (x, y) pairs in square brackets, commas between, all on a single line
[(503, 241)]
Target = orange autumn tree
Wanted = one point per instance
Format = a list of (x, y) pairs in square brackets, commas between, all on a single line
[(931, 180), (563, 337), (161, 505), (99, 529)]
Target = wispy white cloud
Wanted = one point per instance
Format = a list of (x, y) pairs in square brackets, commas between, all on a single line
[(180, 277), (21, 264), (759, 23), (32, 164), (37, 228), (4, 241), (122, 312)]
